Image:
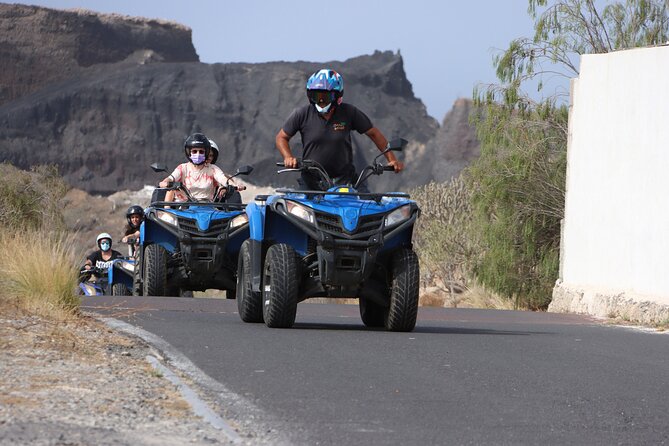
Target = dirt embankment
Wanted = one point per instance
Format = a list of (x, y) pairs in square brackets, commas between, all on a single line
[(79, 383)]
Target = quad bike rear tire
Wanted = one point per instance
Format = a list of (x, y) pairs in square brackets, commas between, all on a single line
[(154, 264), (137, 275), (280, 286), (119, 289), (404, 291), (249, 302)]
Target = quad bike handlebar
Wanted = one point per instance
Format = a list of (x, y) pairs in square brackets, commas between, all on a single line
[(84, 273), (375, 168), (229, 190)]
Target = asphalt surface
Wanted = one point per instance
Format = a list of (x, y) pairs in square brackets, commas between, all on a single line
[(461, 377)]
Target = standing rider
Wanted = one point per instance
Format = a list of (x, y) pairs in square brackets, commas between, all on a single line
[(325, 126)]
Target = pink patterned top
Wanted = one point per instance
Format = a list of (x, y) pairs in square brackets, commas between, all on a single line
[(201, 181)]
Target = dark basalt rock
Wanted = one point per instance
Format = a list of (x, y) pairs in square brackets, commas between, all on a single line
[(105, 114), (41, 45)]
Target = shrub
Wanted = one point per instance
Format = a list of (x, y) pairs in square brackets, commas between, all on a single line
[(30, 200), (444, 244), (38, 261), (38, 271), (517, 196)]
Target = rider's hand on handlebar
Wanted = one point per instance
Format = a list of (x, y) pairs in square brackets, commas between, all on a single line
[(290, 162), (397, 165)]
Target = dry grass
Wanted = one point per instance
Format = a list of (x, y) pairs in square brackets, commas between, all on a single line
[(38, 272), (473, 297)]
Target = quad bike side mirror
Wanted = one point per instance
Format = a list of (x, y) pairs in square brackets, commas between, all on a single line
[(244, 170), (397, 144), (157, 167)]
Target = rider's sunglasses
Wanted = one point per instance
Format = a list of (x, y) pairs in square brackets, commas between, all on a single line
[(196, 151), (321, 96)]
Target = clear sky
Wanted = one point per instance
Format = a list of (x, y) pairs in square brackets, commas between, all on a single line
[(447, 45)]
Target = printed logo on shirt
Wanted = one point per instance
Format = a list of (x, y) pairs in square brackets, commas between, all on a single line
[(102, 264), (339, 126)]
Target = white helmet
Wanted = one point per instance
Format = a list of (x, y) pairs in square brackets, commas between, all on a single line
[(102, 236), (214, 147)]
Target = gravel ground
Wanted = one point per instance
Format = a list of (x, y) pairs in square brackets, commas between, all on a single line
[(80, 383)]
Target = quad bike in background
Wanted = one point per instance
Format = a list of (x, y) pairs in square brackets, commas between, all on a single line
[(116, 280), (192, 245), (336, 242), (121, 273)]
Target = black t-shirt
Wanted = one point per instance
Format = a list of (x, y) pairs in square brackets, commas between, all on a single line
[(328, 142), (96, 259), (129, 230)]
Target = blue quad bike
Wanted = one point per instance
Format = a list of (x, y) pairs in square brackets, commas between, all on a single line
[(116, 280), (192, 245), (335, 242)]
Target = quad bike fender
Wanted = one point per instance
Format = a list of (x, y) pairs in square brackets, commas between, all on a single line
[(118, 275), (257, 262), (256, 214)]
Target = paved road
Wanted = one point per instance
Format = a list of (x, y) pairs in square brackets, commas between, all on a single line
[(462, 377)]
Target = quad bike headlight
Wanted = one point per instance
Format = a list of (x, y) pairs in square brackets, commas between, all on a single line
[(398, 215), (168, 218), (238, 221), (300, 211)]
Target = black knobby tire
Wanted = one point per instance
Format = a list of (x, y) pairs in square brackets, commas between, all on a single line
[(137, 276), (280, 286), (155, 271), (372, 315), (249, 303), (404, 291), (119, 289)]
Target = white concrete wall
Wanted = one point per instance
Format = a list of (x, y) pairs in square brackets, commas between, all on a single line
[(616, 230)]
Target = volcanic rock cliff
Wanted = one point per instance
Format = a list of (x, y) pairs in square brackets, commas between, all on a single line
[(104, 96), (39, 45)]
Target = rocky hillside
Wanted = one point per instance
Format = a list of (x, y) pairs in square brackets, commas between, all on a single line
[(455, 143), (39, 46), (108, 106)]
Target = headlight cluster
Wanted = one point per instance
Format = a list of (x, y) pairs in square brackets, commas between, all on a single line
[(398, 215), (300, 211), (168, 218), (239, 220)]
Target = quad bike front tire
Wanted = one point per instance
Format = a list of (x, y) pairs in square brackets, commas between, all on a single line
[(404, 291), (280, 286), (249, 303), (372, 314), (155, 271)]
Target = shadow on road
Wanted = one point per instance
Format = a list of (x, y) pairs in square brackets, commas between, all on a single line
[(476, 331), (417, 330)]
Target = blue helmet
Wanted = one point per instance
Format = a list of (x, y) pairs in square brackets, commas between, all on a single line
[(324, 88)]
